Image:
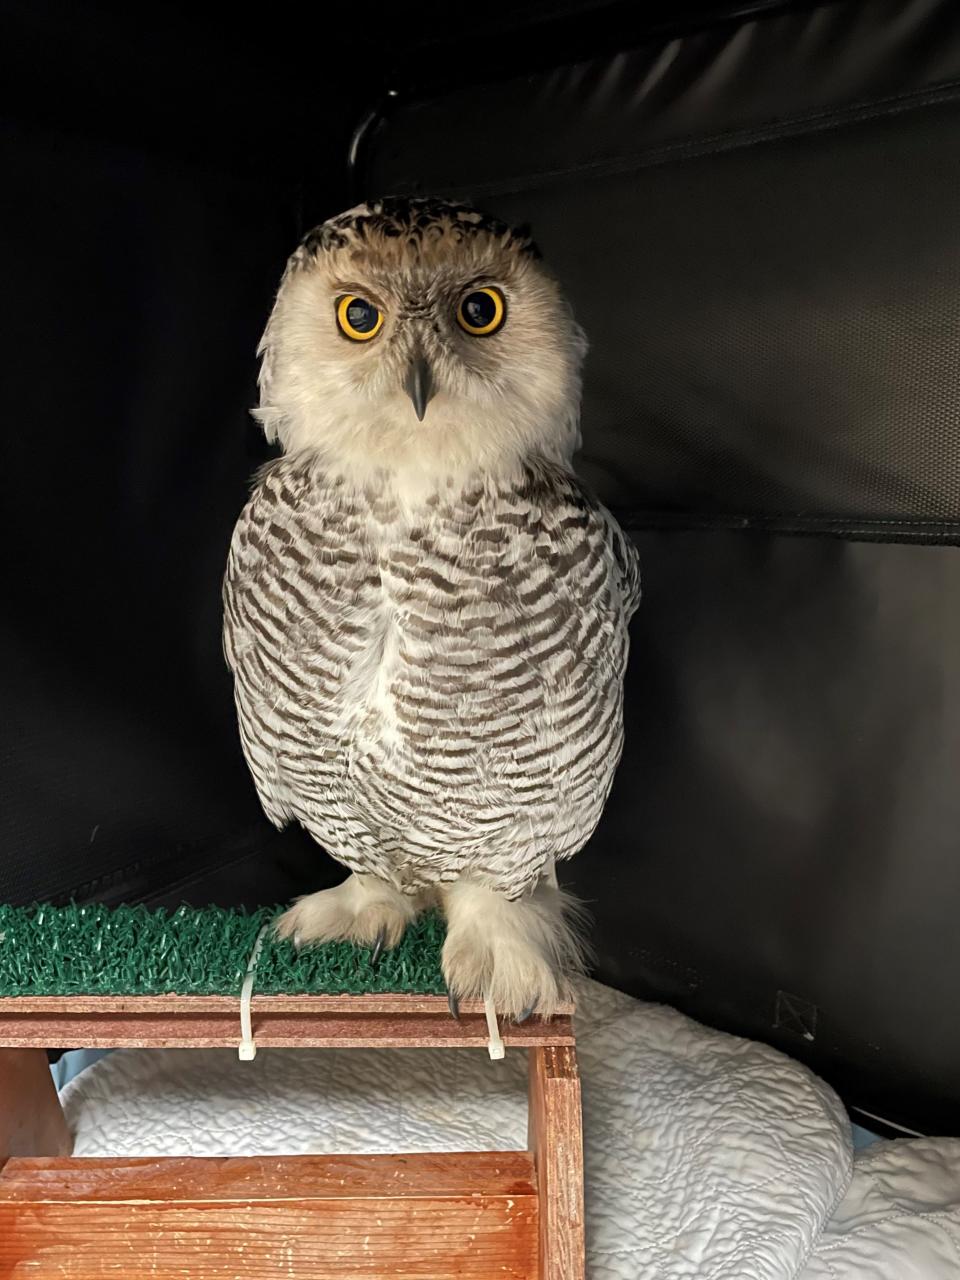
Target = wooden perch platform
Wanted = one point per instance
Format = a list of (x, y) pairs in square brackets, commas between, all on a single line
[(511, 1214), (279, 1022)]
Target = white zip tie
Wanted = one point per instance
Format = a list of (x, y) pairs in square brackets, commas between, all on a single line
[(248, 1049), (494, 1044)]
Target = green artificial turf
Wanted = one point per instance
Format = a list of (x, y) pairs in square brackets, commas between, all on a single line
[(96, 950)]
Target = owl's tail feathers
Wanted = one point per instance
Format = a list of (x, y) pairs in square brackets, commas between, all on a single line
[(521, 952)]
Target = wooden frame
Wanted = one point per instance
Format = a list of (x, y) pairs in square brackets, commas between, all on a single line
[(474, 1215), (279, 1022)]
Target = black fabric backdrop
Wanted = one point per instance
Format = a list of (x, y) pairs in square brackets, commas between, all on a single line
[(755, 213)]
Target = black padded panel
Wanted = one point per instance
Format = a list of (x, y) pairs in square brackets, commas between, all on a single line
[(756, 224), (140, 288), (757, 228), (785, 818)]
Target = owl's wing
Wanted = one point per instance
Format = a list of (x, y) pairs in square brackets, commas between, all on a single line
[(599, 526), (627, 559), (257, 696)]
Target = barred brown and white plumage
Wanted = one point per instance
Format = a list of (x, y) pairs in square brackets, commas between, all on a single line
[(425, 612)]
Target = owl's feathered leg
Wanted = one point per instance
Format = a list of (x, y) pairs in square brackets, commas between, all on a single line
[(521, 952), (363, 909)]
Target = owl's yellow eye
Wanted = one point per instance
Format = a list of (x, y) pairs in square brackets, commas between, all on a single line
[(358, 319), (482, 311)]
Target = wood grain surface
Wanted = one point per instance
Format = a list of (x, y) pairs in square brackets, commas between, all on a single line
[(556, 1142), (31, 1120), (115, 1022), (417, 1217)]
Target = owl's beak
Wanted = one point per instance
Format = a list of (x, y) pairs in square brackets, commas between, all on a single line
[(418, 385)]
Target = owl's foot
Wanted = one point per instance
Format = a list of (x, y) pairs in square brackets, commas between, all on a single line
[(519, 952), (363, 909)]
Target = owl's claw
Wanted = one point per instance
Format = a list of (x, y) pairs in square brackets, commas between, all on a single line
[(453, 1004), (524, 1014), (378, 945)]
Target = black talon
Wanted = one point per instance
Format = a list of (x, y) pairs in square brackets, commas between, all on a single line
[(378, 946), (524, 1015), (453, 1005)]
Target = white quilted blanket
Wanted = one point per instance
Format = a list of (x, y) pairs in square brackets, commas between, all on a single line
[(707, 1156)]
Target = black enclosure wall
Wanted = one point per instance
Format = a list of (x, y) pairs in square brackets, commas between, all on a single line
[(757, 216)]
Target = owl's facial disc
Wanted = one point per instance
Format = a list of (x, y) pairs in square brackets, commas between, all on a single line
[(419, 385), (409, 312)]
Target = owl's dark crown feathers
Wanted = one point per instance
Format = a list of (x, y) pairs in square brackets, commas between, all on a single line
[(417, 221)]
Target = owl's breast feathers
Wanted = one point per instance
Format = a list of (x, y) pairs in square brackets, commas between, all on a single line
[(431, 694)]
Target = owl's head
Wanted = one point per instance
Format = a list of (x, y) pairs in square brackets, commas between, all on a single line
[(424, 338)]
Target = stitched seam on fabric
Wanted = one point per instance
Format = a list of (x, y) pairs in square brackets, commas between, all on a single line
[(944, 1221), (912, 532), (722, 1194), (840, 521), (811, 521), (732, 140), (827, 1217)]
